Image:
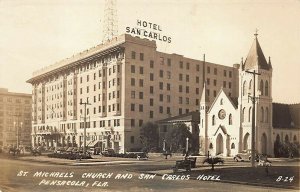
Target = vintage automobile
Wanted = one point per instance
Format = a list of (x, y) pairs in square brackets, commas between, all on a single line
[(245, 156), (142, 156)]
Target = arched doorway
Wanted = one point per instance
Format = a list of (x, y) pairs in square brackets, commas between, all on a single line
[(246, 141), (264, 144), (219, 144), (286, 139)]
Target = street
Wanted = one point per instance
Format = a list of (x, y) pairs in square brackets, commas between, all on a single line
[(19, 175)]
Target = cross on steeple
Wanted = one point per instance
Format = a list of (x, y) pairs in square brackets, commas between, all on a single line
[(255, 34)]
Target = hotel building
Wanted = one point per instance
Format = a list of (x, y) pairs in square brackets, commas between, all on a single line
[(127, 82)]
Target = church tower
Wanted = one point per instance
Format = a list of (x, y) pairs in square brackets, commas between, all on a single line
[(204, 107), (262, 83)]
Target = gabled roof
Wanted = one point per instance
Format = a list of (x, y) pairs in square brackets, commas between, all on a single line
[(223, 129), (256, 57), (221, 90)]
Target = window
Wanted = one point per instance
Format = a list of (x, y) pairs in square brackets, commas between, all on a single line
[(225, 73), (208, 81), (161, 73), (180, 111), (168, 74), (141, 107), (161, 85), (151, 77), (141, 95), (230, 119), (151, 90), (215, 93), (230, 74), (161, 97), (141, 70), (187, 89), (197, 91), (197, 67), (181, 64), (266, 88), (142, 56), (180, 100), (215, 71), (168, 98), (132, 107), (213, 120), (261, 87), (244, 88), (187, 100), (180, 88), (151, 114), (169, 110), (132, 55), (87, 89), (249, 115), (197, 101), (180, 77), (208, 69), (141, 83), (132, 82), (229, 85), (161, 109), (151, 63), (132, 94), (132, 69), (169, 62), (151, 102), (262, 114), (197, 79), (140, 122), (87, 78), (168, 86), (187, 78), (80, 79)]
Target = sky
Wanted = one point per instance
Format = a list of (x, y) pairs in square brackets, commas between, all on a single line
[(37, 33)]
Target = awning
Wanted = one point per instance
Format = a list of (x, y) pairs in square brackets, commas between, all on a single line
[(93, 143)]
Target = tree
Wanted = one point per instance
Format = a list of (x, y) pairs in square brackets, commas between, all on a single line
[(176, 138), (149, 136)]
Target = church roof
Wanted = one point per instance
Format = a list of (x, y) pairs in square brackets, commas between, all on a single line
[(256, 57), (188, 117), (222, 128), (286, 116)]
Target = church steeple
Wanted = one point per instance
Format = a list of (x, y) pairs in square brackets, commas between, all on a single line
[(256, 57), (204, 96)]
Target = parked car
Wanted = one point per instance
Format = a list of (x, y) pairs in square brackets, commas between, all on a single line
[(245, 156), (142, 156), (108, 152)]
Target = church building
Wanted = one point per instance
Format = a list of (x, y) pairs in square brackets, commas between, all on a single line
[(226, 123)]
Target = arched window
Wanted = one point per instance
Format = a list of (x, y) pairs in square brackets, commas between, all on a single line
[(213, 120), (286, 139), (250, 86), (267, 88), (267, 115), (244, 88), (230, 119), (211, 146), (262, 114), (221, 102), (250, 114), (244, 115), (261, 87), (232, 146), (295, 139)]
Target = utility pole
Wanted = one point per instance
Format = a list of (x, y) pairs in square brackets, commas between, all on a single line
[(253, 99), (16, 125), (84, 126)]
